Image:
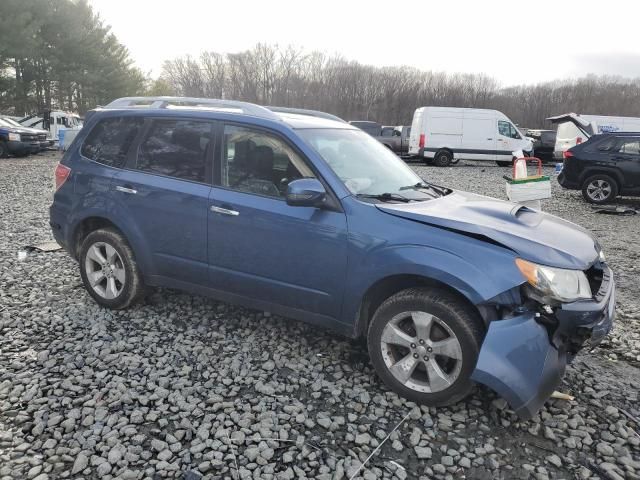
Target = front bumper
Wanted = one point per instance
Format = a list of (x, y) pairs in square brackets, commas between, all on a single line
[(523, 361), (20, 148)]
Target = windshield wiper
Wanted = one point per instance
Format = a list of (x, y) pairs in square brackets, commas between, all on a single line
[(385, 197), (422, 185)]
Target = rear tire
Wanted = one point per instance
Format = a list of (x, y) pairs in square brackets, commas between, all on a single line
[(109, 270), (442, 158), (424, 344), (599, 189)]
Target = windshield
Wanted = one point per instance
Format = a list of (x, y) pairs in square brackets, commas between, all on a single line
[(364, 165)]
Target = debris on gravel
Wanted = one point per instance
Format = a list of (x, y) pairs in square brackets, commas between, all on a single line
[(175, 388)]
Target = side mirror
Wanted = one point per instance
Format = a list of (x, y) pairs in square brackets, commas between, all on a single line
[(306, 192)]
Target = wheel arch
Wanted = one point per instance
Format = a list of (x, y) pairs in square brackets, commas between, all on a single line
[(385, 287), (94, 221), (610, 172)]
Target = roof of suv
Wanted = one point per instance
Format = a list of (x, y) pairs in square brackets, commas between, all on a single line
[(294, 117)]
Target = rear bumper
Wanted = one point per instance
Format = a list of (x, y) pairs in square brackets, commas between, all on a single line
[(521, 363), (566, 182), (58, 224)]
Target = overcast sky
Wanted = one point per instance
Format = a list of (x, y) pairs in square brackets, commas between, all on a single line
[(515, 41)]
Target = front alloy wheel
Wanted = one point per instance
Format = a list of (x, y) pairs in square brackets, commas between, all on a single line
[(424, 344), (421, 351)]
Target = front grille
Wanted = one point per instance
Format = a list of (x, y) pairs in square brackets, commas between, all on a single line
[(28, 137)]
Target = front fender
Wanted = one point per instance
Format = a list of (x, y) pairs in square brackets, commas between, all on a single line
[(493, 274), (518, 362)]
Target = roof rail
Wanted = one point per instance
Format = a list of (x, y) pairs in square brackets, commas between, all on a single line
[(303, 111), (165, 102)]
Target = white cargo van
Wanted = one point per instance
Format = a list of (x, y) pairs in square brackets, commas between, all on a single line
[(574, 128), (445, 135)]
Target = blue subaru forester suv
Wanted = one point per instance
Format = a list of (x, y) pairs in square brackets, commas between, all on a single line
[(299, 213)]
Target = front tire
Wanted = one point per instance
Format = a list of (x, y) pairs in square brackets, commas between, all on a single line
[(503, 163), (599, 189), (109, 270), (424, 344)]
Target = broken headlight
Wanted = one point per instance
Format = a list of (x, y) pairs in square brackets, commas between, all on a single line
[(552, 285)]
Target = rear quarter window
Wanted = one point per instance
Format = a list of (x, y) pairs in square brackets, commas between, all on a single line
[(110, 139)]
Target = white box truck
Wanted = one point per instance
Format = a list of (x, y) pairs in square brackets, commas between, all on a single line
[(574, 128), (444, 135)]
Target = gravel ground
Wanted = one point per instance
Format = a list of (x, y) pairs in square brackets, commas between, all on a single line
[(186, 387)]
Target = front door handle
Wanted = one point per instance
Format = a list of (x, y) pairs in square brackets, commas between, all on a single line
[(224, 211), (122, 189)]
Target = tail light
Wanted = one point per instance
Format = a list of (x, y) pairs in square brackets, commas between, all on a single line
[(567, 154), (61, 175), (578, 140), (421, 144)]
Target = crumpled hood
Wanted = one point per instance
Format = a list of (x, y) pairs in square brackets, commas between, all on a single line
[(535, 236)]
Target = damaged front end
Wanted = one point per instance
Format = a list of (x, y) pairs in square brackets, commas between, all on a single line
[(526, 349)]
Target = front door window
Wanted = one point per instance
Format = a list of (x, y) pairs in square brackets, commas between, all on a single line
[(257, 162)]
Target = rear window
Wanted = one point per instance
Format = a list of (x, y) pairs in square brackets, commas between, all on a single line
[(110, 139)]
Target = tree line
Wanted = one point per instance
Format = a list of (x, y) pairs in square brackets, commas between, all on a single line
[(290, 77), (59, 54)]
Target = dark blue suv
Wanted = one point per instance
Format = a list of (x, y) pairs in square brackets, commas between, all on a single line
[(299, 213)]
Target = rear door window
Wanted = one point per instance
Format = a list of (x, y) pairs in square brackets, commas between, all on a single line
[(177, 148), (110, 139)]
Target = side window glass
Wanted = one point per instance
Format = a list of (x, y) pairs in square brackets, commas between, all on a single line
[(387, 132), (503, 128), (259, 163), (110, 139), (176, 148), (632, 148), (514, 132)]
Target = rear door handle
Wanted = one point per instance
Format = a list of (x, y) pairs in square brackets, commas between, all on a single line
[(122, 189), (224, 211)]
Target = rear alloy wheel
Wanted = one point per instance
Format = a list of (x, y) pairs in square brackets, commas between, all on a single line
[(442, 158), (424, 344), (109, 271), (599, 189)]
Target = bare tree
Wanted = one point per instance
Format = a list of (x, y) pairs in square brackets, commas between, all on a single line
[(271, 75)]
